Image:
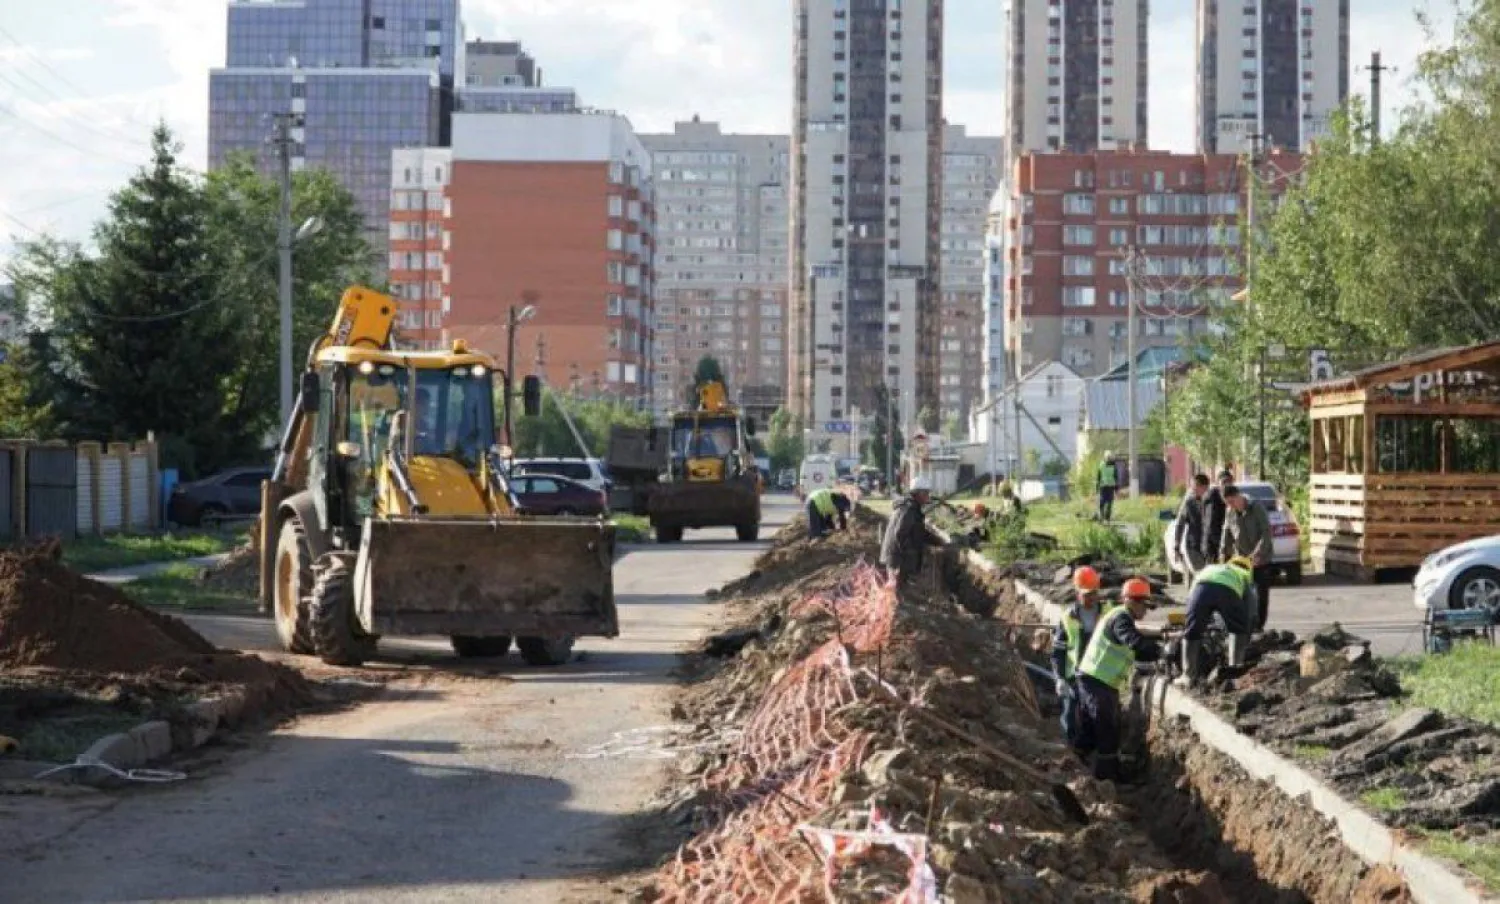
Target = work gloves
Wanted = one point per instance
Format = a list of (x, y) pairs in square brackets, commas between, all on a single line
[(1064, 689)]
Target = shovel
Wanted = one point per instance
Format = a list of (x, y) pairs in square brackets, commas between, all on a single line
[(1067, 801)]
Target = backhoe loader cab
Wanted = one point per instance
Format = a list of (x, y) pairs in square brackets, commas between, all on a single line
[(389, 513)]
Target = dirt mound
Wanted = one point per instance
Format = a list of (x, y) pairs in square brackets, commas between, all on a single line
[(56, 621)]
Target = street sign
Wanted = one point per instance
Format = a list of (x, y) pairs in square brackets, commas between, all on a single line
[(838, 427)]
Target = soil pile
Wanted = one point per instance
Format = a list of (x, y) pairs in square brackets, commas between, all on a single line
[(1328, 703), (806, 778), (54, 619)]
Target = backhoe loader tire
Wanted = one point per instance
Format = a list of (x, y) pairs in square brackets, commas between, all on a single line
[(292, 586), (748, 533), (336, 636), (480, 647), (669, 535), (545, 651)]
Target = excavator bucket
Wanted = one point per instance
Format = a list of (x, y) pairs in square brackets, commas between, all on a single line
[(526, 577), (708, 504)]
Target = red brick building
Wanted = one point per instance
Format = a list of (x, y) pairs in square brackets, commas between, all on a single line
[(1069, 221), (553, 211)]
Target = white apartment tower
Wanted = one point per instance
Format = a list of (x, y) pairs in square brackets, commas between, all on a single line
[(866, 208), (1077, 79), (972, 166), (1269, 71), (721, 261)]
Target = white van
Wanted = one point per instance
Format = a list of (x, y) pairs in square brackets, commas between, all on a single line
[(818, 472)]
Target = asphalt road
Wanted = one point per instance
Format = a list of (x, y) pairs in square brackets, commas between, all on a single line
[(491, 788)]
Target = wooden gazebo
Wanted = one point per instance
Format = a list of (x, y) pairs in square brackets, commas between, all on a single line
[(1405, 459)]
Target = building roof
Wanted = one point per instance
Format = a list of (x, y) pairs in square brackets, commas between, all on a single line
[(1106, 404), (1452, 358), (1149, 363)]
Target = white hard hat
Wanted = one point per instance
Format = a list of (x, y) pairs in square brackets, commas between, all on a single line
[(921, 485)]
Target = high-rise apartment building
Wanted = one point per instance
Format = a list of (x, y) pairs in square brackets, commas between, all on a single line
[(866, 209), (554, 211), (362, 77), (721, 260), (419, 182), (1069, 220), (1077, 75), (972, 166), (1271, 73)]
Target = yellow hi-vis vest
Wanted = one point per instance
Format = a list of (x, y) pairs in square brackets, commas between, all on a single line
[(823, 500), (1105, 660), (1225, 576)]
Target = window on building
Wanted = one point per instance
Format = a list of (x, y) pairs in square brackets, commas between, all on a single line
[(1078, 296), (1078, 265), (1078, 235), (1078, 204)]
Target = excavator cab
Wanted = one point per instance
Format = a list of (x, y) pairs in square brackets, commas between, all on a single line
[(711, 480), (390, 513)]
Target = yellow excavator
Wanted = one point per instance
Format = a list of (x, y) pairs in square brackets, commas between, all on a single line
[(711, 478), (389, 511)]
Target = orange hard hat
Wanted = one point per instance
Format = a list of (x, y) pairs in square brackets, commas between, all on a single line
[(1086, 578), (980, 509), (1136, 589)]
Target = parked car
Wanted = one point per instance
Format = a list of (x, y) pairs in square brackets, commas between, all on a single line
[(588, 471), (1286, 534), (1462, 576), (786, 480), (225, 496), (548, 494)]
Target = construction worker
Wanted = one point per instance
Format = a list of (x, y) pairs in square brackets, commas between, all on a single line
[(1069, 639), (1109, 484), (1105, 673), (905, 542), (1247, 532), (1187, 539), (1226, 589), (824, 507)]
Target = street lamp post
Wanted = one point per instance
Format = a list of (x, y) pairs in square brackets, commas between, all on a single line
[(514, 318)]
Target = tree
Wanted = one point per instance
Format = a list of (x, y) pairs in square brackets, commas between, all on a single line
[(548, 433), (784, 442), (886, 442), (140, 337)]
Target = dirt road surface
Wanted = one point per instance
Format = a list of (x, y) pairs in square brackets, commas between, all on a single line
[(455, 788)]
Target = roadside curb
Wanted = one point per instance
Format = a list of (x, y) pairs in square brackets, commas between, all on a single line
[(1430, 880), (157, 739)]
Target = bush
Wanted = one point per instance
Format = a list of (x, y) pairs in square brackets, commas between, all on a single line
[(1084, 481)]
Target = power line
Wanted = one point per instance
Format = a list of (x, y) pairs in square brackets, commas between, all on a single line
[(11, 111), (100, 131)]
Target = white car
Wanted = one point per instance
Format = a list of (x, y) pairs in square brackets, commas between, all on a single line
[(1465, 576), (588, 471), (1286, 535)]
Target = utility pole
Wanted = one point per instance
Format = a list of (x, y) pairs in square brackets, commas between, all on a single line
[(1375, 69), (1132, 262), (1250, 241), (283, 123)]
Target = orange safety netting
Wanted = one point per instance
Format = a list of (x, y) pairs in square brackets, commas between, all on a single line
[(784, 770)]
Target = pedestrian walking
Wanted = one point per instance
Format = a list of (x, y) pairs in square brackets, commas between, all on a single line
[(1105, 674), (1109, 484), (1069, 640), (1247, 533), (827, 510)]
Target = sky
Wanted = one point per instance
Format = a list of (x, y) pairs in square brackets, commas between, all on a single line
[(77, 102)]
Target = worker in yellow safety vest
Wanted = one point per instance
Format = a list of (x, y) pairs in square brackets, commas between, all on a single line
[(824, 508), (1069, 639), (1228, 590), (1105, 673)]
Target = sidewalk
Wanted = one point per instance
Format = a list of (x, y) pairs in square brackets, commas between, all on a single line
[(136, 572)]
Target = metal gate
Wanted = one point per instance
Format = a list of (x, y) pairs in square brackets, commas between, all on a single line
[(7, 509), (140, 491), (51, 492), (86, 523)]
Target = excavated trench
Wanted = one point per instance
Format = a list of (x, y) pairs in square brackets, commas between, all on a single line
[(1234, 837)]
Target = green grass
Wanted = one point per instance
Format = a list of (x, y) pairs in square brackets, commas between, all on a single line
[(1384, 800), (1463, 682), (178, 587), (62, 740), (631, 528), (93, 554), (1315, 753), (1480, 858)]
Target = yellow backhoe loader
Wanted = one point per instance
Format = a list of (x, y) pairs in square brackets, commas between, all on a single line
[(389, 511), (711, 478)]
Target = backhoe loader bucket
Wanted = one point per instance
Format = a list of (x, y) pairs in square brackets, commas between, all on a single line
[(708, 504), (546, 577)]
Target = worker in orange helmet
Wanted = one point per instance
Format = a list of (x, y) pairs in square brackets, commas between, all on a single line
[(1069, 639), (1105, 676)]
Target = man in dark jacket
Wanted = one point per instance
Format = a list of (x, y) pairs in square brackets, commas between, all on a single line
[(1214, 508), (906, 538), (1247, 532), (1187, 537)]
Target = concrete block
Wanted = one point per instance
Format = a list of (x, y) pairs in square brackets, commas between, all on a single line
[(154, 738), (232, 707), (122, 751), (203, 717)]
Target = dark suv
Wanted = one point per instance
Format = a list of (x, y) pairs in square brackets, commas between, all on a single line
[(225, 496)]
